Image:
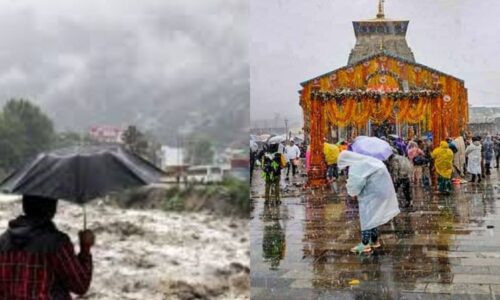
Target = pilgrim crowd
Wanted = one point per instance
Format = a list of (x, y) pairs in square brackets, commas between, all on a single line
[(374, 182)]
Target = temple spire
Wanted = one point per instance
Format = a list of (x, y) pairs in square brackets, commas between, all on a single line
[(380, 14), (377, 35)]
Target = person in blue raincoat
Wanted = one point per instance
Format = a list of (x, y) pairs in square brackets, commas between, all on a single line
[(371, 183), (488, 154)]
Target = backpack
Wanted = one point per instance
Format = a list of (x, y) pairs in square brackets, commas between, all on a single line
[(420, 160), (271, 166)]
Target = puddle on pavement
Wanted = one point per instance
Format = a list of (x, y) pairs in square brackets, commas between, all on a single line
[(303, 244)]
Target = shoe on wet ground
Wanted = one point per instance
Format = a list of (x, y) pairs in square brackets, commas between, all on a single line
[(375, 245), (360, 248)]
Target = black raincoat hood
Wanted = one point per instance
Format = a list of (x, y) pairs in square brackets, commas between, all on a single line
[(23, 230)]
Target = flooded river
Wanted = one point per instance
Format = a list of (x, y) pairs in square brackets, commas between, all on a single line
[(151, 254)]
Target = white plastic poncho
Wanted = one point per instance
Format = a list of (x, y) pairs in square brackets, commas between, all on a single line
[(459, 157), (473, 153), (371, 182)]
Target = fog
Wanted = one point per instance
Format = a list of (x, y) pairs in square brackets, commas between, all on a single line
[(150, 63)]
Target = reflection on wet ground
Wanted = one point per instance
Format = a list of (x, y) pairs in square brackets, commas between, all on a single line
[(448, 248)]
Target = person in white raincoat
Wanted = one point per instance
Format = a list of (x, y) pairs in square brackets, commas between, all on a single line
[(459, 157), (473, 153), (370, 181)]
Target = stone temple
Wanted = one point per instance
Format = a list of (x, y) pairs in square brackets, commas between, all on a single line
[(382, 91), (380, 34)]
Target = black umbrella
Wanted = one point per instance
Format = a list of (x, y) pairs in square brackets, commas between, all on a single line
[(80, 174)]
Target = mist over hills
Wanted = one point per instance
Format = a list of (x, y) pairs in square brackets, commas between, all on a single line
[(165, 66)]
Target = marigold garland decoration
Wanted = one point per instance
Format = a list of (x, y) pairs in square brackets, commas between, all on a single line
[(381, 89)]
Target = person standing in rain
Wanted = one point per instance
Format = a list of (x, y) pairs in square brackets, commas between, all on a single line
[(401, 172), (292, 153), (488, 154), (413, 152), (459, 160), (443, 163), (473, 153), (331, 153), (272, 164), (425, 162), (496, 143), (370, 182), (37, 261)]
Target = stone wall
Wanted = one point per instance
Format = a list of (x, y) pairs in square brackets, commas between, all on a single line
[(368, 45)]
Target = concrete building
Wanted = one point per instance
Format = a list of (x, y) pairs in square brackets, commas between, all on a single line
[(171, 157)]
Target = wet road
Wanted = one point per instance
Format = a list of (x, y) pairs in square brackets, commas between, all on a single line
[(448, 248)]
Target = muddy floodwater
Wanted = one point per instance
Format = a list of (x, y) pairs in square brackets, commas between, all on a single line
[(448, 248), (150, 254)]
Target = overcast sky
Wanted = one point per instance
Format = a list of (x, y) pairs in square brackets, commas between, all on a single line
[(88, 60), (296, 40)]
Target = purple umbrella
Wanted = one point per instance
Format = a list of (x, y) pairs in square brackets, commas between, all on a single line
[(372, 146)]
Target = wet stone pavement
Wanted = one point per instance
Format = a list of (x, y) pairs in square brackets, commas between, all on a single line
[(448, 248)]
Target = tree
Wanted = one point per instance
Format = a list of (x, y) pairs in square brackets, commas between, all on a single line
[(142, 144), (135, 141), (200, 150), (69, 139), (24, 132)]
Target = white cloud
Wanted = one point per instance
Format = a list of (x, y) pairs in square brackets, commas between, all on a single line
[(119, 61)]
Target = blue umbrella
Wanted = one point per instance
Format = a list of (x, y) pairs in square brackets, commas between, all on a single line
[(372, 146)]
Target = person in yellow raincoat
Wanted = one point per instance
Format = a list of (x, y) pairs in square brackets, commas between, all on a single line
[(443, 163), (331, 153)]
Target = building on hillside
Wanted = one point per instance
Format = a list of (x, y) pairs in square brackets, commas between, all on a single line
[(381, 91), (106, 134)]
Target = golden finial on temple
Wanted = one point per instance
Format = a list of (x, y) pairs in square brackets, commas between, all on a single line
[(381, 14)]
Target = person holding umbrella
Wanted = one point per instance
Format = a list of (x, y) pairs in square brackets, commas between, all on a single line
[(37, 261), (370, 182)]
